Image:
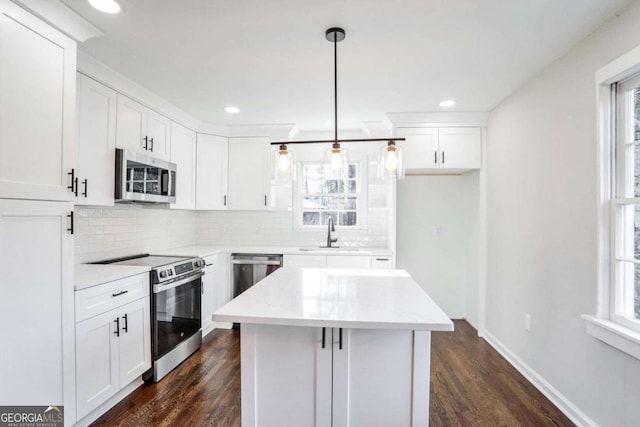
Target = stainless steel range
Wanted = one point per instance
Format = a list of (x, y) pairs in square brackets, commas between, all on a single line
[(176, 294)]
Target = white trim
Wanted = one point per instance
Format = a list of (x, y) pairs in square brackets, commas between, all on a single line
[(439, 119), (565, 405), (63, 18), (617, 336), (482, 238), (619, 69)]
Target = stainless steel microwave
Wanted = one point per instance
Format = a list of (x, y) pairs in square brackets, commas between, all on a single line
[(142, 178)]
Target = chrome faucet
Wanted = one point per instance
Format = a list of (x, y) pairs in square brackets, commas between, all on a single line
[(331, 228)]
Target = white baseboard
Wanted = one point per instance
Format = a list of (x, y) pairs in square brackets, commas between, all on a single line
[(113, 400), (565, 405)]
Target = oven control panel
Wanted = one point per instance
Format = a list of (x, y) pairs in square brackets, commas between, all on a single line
[(177, 271)]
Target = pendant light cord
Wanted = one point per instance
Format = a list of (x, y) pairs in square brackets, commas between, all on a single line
[(335, 86)]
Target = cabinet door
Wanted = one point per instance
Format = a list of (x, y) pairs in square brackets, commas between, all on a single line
[(348, 261), (97, 358), (208, 298), (373, 378), (381, 262), (304, 261), (460, 148), (37, 107), (183, 154), (159, 135), (420, 150), (298, 396), (36, 307), (131, 126), (134, 340), (248, 178), (211, 172), (96, 144)]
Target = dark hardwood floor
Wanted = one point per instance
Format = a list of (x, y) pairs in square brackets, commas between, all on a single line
[(471, 385)]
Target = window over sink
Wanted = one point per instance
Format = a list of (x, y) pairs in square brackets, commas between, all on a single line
[(321, 198)]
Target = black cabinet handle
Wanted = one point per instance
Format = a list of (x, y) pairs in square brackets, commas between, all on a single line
[(435, 157), (117, 322), (86, 186), (151, 140), (324, 336), (146, 143), (265, 200), (119, 293), (382, 259), (126, 323), (340, 339), (443, 157), (75, 190), (70, 216), (72, 174), (225, 200)]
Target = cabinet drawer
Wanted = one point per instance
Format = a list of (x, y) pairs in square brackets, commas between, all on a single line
[(382, 262), (348, 261), (302, 261), (99, 299)]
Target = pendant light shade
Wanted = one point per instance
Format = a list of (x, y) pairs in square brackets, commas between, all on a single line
[(283, 166), (391, 164), (336, 162)]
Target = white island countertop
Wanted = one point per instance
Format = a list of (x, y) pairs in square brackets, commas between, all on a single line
[(340, 298)]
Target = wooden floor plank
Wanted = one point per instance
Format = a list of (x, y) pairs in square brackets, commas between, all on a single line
[(471, 385)]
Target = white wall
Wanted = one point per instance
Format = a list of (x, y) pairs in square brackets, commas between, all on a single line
[(541, 231), (437, 239)]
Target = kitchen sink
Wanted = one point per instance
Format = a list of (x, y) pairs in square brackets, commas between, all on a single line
[(326, 249)]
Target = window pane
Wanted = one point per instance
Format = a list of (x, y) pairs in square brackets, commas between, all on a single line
[(313, 186), (636, 293), (634, 161), (348, 218), (311, 218), (629, 232), (333, 186), (325, 218), (349, 186), (314, 171), (311, 203), (636, 113), (353, 170)]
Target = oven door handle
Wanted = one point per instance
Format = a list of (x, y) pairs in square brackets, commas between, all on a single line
[(161, 288), (255, 262)]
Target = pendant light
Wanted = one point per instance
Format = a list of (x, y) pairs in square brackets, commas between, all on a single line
[(283, 169), (390, 162), (336, 162)]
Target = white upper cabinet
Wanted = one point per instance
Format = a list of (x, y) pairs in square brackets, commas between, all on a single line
[(455, 149), (211, 172), (460, 148), (183, 154), (143, 130), (96, 143), (158, 135), (248, 173), (420, 149), (37, 113), (132, 125)]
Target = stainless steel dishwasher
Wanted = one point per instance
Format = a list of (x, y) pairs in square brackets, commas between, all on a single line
[(249, 269)]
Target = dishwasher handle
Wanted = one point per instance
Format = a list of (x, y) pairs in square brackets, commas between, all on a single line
[(255, 262)]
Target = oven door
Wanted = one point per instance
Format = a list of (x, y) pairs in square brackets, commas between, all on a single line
[(176, 313)]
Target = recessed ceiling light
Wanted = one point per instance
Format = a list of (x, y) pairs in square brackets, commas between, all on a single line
[(448, 103), (232, 110), (106, 6)]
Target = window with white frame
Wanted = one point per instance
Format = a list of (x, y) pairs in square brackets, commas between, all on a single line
[(625, 204), (323, 198)]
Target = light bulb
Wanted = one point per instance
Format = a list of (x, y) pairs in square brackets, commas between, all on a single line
[(336, 159), (283, 161), (391, 162)]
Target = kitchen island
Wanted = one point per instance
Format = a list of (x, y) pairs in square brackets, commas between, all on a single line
[(335, 347)]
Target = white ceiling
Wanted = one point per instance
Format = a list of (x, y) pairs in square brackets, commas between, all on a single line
[(271, 59)]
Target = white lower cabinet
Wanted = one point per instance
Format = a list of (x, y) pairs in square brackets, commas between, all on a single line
[(338, 261), (336, 377), (221, 286), (208, 304), (113, 348)]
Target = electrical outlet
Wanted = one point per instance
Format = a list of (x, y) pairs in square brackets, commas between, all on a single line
[(258, 228), (527, 322)]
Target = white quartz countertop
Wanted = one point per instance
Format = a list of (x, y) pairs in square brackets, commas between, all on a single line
[(343, 298), (88, 275), (202, 251)]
